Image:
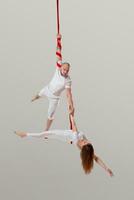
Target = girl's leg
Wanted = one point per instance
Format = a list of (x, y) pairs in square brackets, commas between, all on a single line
[(20, 133), (61, 135), (26, 134)]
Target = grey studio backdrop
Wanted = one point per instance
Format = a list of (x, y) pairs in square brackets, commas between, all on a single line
[(99, 44)]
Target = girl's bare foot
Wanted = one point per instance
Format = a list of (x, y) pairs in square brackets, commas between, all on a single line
[(110, 172), (20, 133)]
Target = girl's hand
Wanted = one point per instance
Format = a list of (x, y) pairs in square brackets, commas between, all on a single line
[(110, 172)]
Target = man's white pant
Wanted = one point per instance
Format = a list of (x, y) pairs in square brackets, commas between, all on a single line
[(53, 102), (52, 107)]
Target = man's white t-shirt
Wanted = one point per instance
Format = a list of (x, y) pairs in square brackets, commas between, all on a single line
[(56, 85), (59, 83)]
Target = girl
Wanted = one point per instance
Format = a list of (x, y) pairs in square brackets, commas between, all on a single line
[(61, 81), (72, 136)]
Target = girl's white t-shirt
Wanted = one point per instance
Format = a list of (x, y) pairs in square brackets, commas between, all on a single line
[(75, 136)]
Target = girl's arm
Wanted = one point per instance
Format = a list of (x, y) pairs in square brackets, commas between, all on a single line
[(73, 124), (70, 101), (102, 164)]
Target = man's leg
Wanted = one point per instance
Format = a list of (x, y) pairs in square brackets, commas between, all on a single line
[(48, 124), (42, 93), (51, 110)]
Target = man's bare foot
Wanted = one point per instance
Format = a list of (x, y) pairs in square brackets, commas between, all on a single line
[(35, 98), (46, 137), (20, 133)]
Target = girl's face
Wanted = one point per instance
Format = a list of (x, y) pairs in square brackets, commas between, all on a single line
[(64, 69), (83, 142)]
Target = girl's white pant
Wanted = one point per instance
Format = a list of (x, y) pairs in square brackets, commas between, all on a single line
[(62, 135), (53, 101)]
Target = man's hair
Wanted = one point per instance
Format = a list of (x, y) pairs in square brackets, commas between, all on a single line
[(66, 63)]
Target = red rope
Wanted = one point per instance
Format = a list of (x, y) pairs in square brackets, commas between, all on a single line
[(59, 46), (59, 55), (58, 18)]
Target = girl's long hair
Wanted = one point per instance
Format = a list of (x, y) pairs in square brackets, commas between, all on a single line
[(87, 157)]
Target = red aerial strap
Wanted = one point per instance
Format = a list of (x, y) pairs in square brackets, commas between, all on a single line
[(58, 18), (59, 46)]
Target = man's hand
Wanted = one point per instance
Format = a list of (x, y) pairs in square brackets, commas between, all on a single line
[(71, 110)]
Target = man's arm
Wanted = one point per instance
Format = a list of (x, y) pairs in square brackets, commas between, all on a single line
[(102, 164), (70, 101)]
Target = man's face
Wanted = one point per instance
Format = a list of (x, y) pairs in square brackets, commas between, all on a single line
[(65, 69)]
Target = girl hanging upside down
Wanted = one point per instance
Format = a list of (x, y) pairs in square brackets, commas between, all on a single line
[(60, 81), (72, 136)]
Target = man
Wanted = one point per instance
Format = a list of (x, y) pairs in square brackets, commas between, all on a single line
[(61, 81)]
